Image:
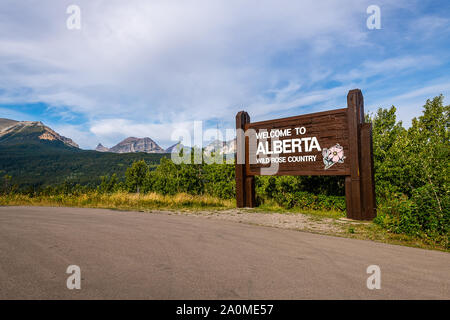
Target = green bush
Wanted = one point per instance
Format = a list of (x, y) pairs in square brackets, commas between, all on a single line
[(412, 171), (219, 180), (398, 215), (433, 214)]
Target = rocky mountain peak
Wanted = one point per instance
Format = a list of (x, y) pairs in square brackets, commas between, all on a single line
[(101, 148), (133, 144), (11, 130), (221, 147)]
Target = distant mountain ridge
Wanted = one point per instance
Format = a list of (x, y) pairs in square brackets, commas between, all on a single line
[(20, 132), (174, 148), (147, 145), (101, 148), (222, 147), (133, 144), (14, 132)]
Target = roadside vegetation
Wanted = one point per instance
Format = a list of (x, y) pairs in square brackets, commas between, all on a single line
[(121, 200), (411, 178)]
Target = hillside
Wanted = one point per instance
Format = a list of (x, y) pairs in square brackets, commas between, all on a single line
[(33, 164), (36, 155), (31, 132)]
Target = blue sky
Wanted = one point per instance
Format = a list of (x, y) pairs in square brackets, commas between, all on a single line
[(146, 68)]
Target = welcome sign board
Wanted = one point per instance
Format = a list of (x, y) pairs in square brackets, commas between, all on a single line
[(335, 142), (313, 144)]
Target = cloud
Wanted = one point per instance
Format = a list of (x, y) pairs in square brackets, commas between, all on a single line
[(430, 26), (15, 115), (299, 99), (144, 67), (391, 66), (160, 55), (77, 133), (409, 104)]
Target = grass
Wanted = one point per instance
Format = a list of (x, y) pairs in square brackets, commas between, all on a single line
[(186, 202), (374, 232), (272, 206), (122, 200), (363, 230)]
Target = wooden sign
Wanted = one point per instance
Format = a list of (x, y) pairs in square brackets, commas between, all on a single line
[(335, 142)]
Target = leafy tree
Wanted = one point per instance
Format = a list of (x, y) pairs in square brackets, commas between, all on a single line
[(392, 171), (7, 183), (429, 153), (108, 184), (412, 170), (165, 178), (219, 180), (136, 175), (430, 147)]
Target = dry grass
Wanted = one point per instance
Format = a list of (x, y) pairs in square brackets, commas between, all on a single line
[(122, 200)]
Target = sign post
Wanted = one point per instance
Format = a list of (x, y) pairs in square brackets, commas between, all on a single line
[(335, 142)]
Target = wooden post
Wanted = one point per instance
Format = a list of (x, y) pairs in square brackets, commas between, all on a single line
[(250, 192), (367, 173), (360, 185), (245, 185), (355, 116)]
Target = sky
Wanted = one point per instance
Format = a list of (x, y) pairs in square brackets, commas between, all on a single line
[(149, 67)]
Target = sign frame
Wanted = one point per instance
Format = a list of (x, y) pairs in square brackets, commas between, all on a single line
[(348, 127)]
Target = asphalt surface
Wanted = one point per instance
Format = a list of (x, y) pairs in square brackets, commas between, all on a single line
[(131, 255)]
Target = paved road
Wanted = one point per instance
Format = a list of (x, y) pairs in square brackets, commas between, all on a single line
[(162, 256)]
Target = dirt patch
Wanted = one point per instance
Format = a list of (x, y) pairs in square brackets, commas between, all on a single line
[(294, 221)]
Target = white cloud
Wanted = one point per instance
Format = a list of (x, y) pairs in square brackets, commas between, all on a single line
[(153, 56), (429, 26), (15, 115), (300, 99), (77, 133), (142, 67), (409, 104), (391, 66)]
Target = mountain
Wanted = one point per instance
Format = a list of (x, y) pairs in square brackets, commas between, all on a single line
[(229, 147), (101, 148), (222, 147), (4, 123), (214, 146), (174, 148), (36, 156), (14, 132), (133, 144), (36, 165)]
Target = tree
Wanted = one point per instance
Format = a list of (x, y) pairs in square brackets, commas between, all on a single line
[(108, 184), (411, 170), (7, 184), (392, 170), (429, 154), (136, 175), (430, 147)]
